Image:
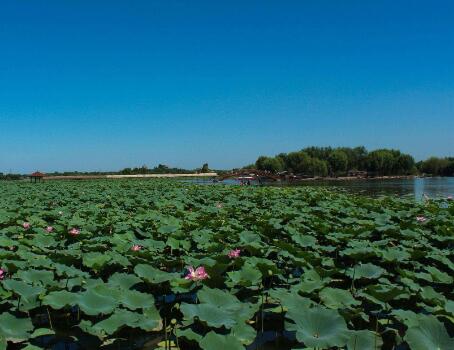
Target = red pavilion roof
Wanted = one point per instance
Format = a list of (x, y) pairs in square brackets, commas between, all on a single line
[(37, 174)]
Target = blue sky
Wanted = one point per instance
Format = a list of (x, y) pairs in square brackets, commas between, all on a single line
[(102, 85)]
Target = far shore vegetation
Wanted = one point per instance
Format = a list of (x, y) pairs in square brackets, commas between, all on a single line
[(309, 162), (344, 161)]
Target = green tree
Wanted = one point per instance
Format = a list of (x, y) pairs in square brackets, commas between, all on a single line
[(338, 162), (271, 164), (319, 167), (380, 162), (299, 162), (404, 165), (205, 168), (435, 166)]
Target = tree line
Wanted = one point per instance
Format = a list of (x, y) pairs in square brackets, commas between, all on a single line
[(163, 169), (437, 166), (329, 161)]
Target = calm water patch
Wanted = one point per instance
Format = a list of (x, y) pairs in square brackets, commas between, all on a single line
[(437, 187), (434, 187)]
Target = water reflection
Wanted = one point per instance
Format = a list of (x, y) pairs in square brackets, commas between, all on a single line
[(416, 188), (436, 187)]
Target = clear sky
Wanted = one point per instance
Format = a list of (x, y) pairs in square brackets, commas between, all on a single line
[(102, 85)]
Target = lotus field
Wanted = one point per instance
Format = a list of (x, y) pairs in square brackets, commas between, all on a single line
[(135, 264)]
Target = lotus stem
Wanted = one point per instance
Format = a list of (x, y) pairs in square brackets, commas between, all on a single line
[(176, 337), (262, 314), (165, 333), (50, 319)]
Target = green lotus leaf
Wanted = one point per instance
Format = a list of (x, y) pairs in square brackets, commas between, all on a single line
[(449, 306), (312, 281), (95, 260), (39, 332), (395, 255), (439, 276), (364, 340), (336, 298), (59, 299), (189, 334), (218, 298), (32, 347), (150, 320), (123, 280), (217, 341), (93, 303), (43, 241), (104, 289), (304, 241), (154, 275), (407, 317), (213, 315), (69, 271), (385, 291), (244, 333), (23, 289), (319, 327), (292, 302), (178, 243), (118, 259), (369, 271), (136, 300), (167, 229), (429, 333), (7, 242), (87, 327), (74, 282), (250, 239), (247, 276), (116, 321), (15, 329), (33, 276), (431, 295)]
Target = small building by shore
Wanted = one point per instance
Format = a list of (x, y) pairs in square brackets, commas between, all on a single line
[(36, 177), (357, 173)]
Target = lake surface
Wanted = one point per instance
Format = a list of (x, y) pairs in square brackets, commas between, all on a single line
[(435, 187)]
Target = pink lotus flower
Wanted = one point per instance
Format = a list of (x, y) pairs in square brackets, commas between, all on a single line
[(198, 274), (74, 231), (233, 254), (136, 248), (49, 229), (449, 198), (26, 225), (219, 205), (2, 274), (421, 219)]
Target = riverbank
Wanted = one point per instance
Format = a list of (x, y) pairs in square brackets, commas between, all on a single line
[(354, 178), (137, 176)]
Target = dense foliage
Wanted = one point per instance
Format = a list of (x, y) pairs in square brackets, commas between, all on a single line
[(323, 161), (102, 263), (10, 176), (437, 166), (160, 169)]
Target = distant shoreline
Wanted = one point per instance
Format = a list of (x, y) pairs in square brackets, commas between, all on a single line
[(93, 177), (354, 178)]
